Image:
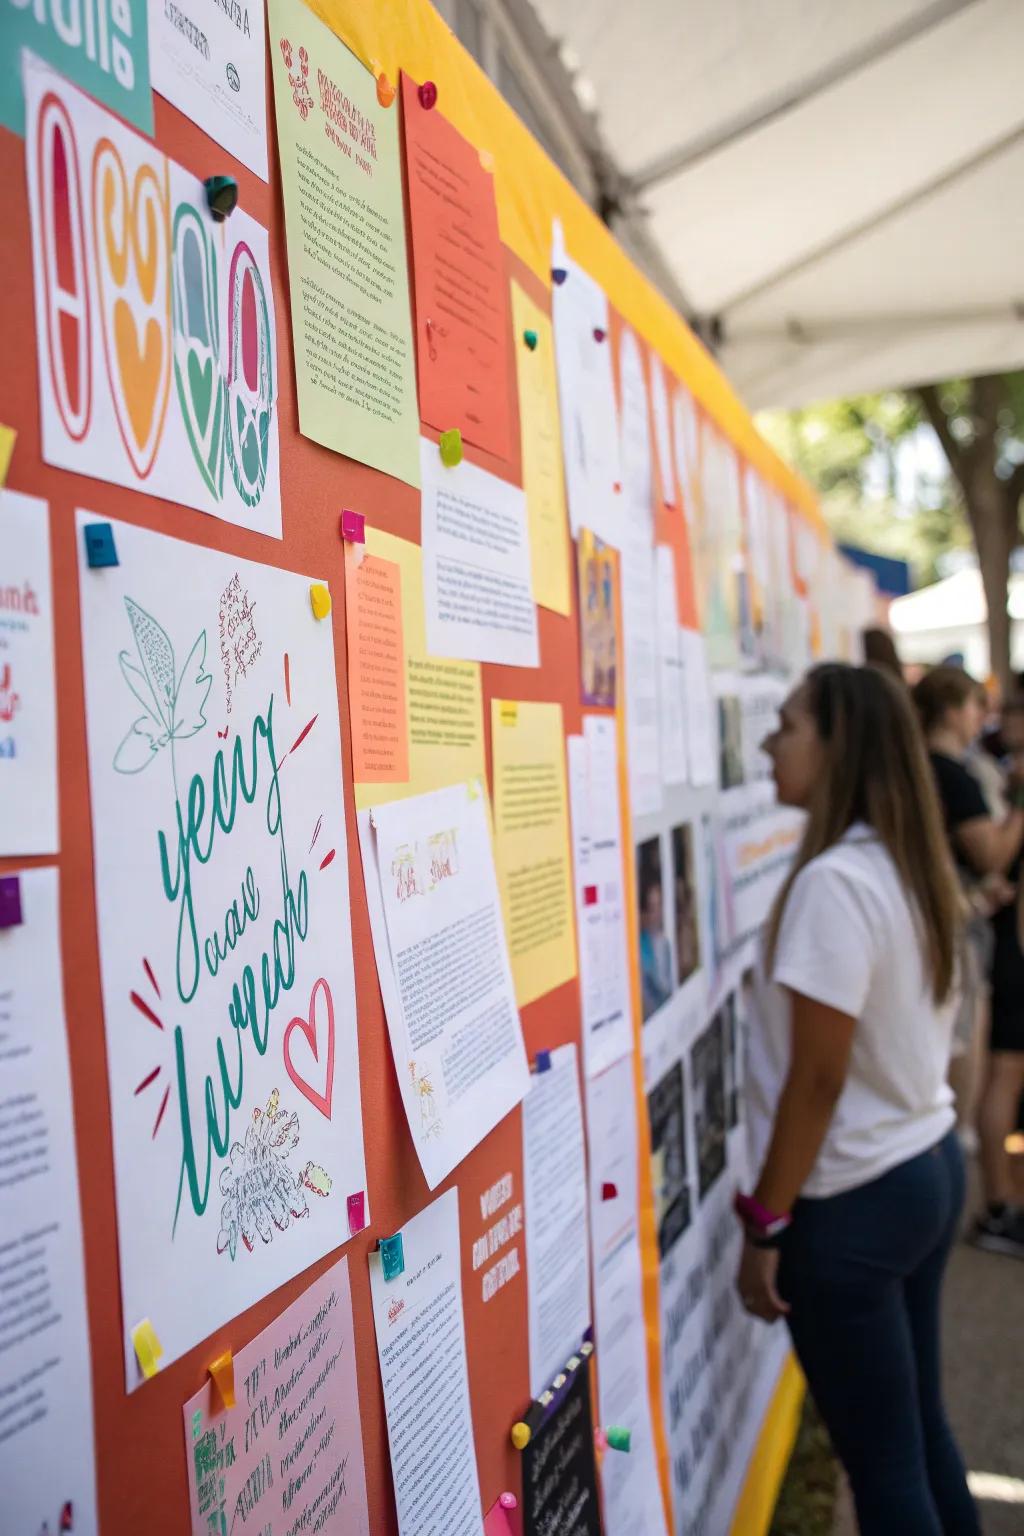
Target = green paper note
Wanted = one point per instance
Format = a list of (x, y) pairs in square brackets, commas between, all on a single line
[(345, 229), (102, 45)]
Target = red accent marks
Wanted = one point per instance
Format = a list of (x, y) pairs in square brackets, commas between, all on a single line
[(160, 1112), (152, 979), (328, 858), (66, 289), (300, 738), (250, 336), (147, 1080), (609, 1192), (590, 895), (223, 735), (145, 1009), (316, 832), (287, 679)]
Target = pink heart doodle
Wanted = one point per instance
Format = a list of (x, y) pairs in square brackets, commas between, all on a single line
[(321, 1101)]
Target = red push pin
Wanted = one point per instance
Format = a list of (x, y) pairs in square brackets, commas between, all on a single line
[(427, 94), (609, 1192), (599, 334)]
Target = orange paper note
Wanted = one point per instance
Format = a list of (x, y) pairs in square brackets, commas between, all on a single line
[(376, 669), (459, 282)]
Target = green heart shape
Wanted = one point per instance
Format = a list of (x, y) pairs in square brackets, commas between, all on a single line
[(200, 389)]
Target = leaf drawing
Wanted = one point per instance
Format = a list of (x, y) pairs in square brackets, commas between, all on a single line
[(173, 702)]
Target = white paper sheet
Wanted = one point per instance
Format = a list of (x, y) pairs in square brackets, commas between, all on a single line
[(635, 433), (209, 60), (671, 677), (662, 430), (632, 1490), (477, 588), (46, 1443), (701, 720), (155, 326), (607, 1025), (223, 906), (442, 960), (557, 1250), (421, 1349), (586, 400), (640, 634), (28, 705)]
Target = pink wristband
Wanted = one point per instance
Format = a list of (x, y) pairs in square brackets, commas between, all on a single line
[(753, 1214)]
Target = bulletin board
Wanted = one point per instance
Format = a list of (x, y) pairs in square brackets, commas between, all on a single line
[(141, 1468)]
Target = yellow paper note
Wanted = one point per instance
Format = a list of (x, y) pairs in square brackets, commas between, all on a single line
[(542, 454), (8, 438), (532, 844), (442, 706)]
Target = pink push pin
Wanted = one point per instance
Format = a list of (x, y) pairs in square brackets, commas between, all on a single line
[(600, 1439), (508, 1501)]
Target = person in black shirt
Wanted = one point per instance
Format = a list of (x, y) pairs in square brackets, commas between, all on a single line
[(986, 850)]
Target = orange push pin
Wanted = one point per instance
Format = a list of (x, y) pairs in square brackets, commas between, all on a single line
[(385, 90), (222, 1371)]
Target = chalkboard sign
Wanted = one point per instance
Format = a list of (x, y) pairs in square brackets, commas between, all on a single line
[(560, 1495)]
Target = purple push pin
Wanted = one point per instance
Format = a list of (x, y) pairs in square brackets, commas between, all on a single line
[(10, 902)]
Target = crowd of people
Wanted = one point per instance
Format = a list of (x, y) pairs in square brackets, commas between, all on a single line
[(887, 1039)]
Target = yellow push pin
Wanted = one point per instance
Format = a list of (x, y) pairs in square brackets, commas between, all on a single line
[(223, 1372), (451, 448), (319, 600), (148, 1349)]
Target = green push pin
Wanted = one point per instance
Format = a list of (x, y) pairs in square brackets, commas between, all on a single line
[(451, 448), (221, 196), (530, 337), (617, 1437)]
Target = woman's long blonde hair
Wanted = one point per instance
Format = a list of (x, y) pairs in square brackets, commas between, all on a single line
[(877, 771)]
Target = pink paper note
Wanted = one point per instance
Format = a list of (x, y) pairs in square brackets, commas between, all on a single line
[(289, 1455)]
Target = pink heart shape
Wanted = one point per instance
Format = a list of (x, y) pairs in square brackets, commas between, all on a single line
[(321, 1101)]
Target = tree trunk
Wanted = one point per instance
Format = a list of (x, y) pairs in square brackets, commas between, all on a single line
[(994, 536)]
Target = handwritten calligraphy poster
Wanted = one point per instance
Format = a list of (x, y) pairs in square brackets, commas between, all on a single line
[(28, 703), (223, 906), (154, 324), (560, 1495), (288, 1456)]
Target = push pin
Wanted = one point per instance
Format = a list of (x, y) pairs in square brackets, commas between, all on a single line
[(221, 196), (451, 448), (558, 276), (222, 1373), (319, 600), (618, 1439), (357, 1212), (530, 338), (543, 1061), (353, 526), (599, 333), (10, 902), (392, 1256), (508, 1501), (609, 1192), (427, 94), (100, 549), (385, 90)]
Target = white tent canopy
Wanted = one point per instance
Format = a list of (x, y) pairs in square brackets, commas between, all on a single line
[(951, 617), (833, 188)]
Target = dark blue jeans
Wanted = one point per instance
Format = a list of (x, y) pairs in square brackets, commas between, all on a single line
[(862, 1272)]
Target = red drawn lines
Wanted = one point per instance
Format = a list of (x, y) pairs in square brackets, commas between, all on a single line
[(147, 1080), (287, 679), (160, 1112), (145, 1009), (316, 832), (327, 859), (149, 972), (300, 738)]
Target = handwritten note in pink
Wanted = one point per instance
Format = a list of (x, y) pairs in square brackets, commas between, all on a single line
[(288, 1457)]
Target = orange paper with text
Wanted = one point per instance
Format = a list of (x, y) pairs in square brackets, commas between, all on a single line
[(376, 669)]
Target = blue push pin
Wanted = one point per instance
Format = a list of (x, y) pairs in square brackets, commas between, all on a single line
[(221, 196), (100, 549), (392, 1257), (543, 1061), (558, 275)]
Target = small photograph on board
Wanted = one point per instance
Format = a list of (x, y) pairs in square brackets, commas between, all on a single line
[(684, 890), (707, 1079), (656, 976), (730, 738), (669, 1178), (596, 575)]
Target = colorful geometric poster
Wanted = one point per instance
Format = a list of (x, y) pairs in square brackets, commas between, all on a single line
[(461, 291), (345, 232), (289, 1454), (154, 324), (597, 571), (223, 909), (28, 703), (210, 61), (102, 45)]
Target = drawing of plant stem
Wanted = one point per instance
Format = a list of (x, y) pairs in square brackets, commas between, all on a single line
[(173, 701)]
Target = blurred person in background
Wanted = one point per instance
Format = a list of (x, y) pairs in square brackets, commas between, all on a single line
[(861, 1185), (880, 651)]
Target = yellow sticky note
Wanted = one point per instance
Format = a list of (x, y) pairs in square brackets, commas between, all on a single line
[(148, 1349), (320, 600), (442, 711), (531, 844), (8, 438), (541, 436)]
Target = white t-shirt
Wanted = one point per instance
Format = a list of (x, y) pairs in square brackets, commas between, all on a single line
[(849, 939)]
